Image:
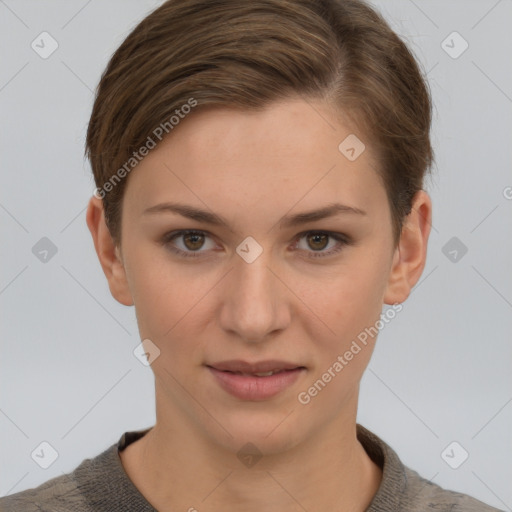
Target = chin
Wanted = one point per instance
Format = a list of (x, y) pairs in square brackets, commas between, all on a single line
[(271, 432)]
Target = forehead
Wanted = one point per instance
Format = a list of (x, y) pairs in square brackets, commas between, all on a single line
[(285, 153)]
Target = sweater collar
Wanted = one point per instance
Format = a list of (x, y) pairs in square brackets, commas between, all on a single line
[(106, 485), (392, 486)]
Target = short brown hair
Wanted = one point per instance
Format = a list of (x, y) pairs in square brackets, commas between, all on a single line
[(246, 54)]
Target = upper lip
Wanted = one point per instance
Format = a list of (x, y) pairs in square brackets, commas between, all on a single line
[(237, 365)]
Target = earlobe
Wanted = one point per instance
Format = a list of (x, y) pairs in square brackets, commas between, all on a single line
[(411, 253), (108, 253)]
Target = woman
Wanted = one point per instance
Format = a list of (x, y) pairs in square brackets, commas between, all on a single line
[(259, 170)]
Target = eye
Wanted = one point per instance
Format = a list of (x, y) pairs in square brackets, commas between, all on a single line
[(188, 243), (317, 241), (194, 243)]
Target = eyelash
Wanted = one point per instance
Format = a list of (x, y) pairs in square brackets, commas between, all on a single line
[(343, 240)]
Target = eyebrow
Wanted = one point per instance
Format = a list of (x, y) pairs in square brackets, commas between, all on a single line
[(197, 214)]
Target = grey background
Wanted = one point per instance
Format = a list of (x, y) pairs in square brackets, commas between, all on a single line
[(441, 371)]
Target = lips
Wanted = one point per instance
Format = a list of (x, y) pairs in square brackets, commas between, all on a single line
[(255, 381), (261, 368), (256, 374)]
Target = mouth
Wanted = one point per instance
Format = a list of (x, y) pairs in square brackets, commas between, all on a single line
[(259, 369), (260, 374), (255, 381)]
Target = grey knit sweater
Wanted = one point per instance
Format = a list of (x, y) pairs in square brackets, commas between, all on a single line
[(101, 484)]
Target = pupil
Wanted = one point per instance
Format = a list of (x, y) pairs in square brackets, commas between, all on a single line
[(318, 237)]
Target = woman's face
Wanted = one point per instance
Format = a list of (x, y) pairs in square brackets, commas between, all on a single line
[(261, 282)]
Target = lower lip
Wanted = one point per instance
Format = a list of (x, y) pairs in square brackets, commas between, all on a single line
[(248, 387)]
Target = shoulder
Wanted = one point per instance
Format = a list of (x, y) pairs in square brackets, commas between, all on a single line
[(58, 494), (98, 483), (404, 490), (421, 495), (67, 492)]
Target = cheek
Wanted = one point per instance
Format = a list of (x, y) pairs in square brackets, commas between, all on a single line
[(350, 305), (165, 297), (348, 300), (172, 312)]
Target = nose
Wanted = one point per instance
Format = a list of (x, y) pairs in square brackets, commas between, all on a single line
[(255, 303)]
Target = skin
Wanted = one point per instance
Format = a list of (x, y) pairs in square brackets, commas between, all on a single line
[(253, 169)]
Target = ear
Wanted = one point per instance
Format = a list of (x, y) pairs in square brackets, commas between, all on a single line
[(108, 253), (411, 253)]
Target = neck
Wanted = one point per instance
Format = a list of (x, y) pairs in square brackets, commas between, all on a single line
[(175, 469)]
